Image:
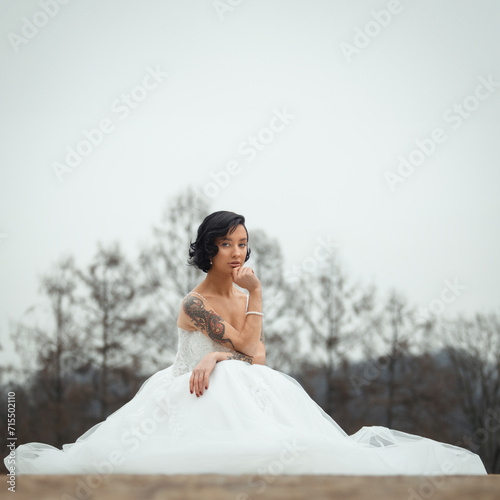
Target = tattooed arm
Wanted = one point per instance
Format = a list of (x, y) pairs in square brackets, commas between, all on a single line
[(255, 354), (223, 356), (201, 315), (257, 350)]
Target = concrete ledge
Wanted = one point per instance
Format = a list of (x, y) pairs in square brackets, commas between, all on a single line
[(245, 487)]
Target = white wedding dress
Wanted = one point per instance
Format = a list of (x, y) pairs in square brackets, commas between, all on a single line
[(251, 420)]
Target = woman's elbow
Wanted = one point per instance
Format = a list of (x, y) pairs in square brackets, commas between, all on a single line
[(257, 350), (260, 358)]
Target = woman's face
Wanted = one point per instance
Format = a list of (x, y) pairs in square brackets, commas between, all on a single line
[(232, 250)]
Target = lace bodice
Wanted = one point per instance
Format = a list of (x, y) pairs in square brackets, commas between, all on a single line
[(192, 346)]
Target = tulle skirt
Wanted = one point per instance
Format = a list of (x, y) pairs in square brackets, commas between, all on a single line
[(251, 420)]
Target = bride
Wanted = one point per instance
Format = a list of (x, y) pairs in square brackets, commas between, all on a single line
[(219, 409)]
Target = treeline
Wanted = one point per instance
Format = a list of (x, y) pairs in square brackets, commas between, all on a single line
[(100, 331)]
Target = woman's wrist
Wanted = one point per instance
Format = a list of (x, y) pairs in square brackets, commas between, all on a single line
[(219, 356)]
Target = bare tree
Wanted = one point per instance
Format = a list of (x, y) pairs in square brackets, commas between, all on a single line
[(395, 335), (473, 347), (395, 330), (337, 315), (50, 353), (115, 330), (165, 269)]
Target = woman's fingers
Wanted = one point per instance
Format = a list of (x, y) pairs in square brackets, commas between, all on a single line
[(195, 383), (200, 384), (191, 383), (198, 381), (240, 272)]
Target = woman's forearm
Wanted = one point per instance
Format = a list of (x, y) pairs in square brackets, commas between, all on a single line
[(252, 329), (255, 356)]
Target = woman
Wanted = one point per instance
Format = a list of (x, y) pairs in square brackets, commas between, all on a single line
[(220, 250), (219, 409)]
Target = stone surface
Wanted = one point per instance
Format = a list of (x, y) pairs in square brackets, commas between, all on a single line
[(245, 487)]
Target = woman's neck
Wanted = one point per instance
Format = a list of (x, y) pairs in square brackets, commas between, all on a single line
[(218, 284)]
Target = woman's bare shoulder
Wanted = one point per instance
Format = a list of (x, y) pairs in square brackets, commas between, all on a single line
[(195, 293)]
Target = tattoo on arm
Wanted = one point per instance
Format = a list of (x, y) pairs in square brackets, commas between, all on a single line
[(209, 321), (240, 356)]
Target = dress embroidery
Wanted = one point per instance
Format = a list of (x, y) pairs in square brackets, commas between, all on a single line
[(192, 346), (260, 391)]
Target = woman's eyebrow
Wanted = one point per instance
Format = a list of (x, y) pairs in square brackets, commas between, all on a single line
[(224, 238)]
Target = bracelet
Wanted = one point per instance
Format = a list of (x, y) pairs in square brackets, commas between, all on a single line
[(254, 312)]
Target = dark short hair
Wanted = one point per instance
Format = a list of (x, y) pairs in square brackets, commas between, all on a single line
[(214, 226)]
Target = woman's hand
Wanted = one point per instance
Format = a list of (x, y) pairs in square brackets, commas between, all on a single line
[(201, 372), (245, 277)]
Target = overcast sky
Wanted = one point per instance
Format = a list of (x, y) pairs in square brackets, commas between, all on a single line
[(374, 124)]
